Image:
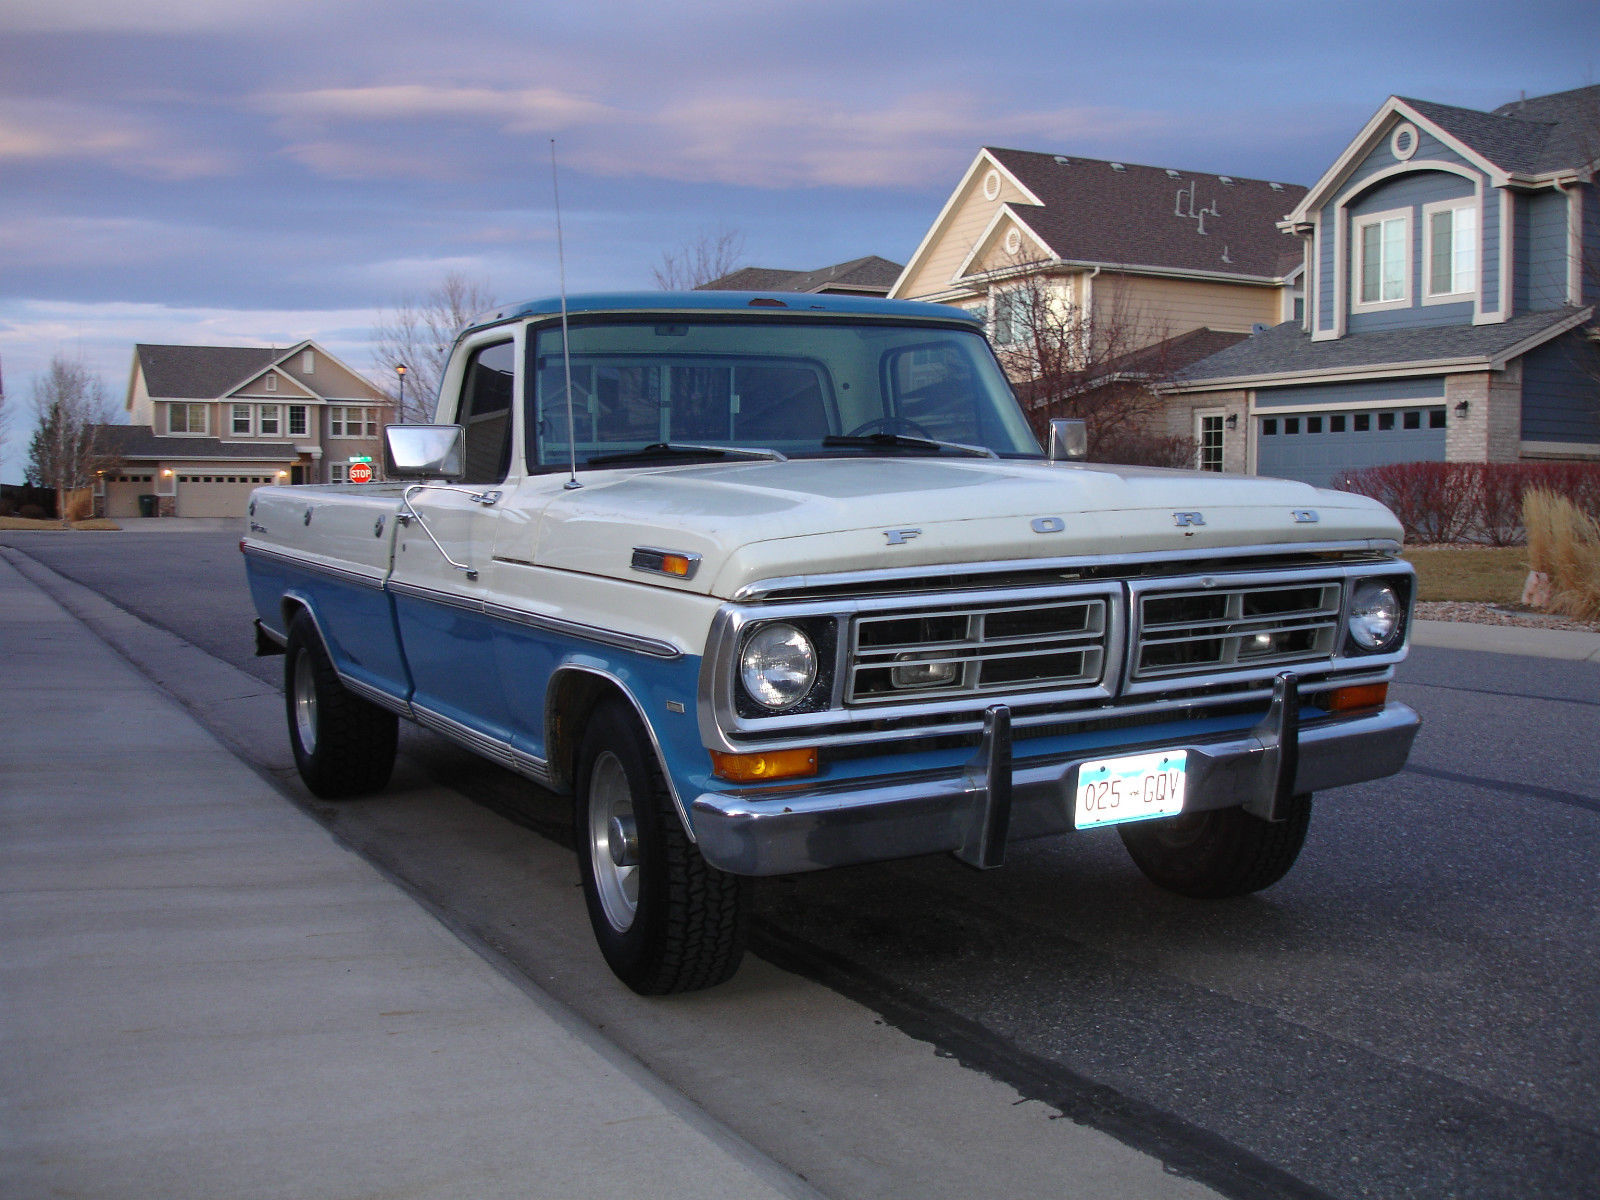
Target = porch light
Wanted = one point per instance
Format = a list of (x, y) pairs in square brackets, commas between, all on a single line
[(1463, 408), (1233, 420)]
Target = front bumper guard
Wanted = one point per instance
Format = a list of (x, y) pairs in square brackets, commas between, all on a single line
[(972, 811)]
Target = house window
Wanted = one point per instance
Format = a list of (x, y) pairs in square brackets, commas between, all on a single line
[(1208, 433), (346, 421), (269, 420), (270, 383), (1383, 260), (297, 420), (1010, 317), (338, 473), (186, 418), (1451, 250), (241, 419)]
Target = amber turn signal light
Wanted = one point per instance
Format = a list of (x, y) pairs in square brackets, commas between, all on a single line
[(765, 767), (1364, 695)]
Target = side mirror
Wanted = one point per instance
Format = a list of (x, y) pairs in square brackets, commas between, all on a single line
[(1069, 440), (424, 451)]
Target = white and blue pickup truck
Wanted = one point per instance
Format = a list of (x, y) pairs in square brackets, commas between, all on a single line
[(774, 583)]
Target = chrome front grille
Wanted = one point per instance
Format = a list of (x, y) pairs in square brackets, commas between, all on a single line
[(1223, 626), (969, 650)]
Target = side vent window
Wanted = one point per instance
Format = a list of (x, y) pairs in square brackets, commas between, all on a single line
[(486, 412)]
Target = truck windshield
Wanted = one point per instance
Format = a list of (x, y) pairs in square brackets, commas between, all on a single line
[(667, 390)]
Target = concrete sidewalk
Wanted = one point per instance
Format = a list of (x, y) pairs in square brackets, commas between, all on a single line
[(202, 994)]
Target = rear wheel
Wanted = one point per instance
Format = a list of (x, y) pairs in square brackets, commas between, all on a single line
[(343, 745), (665, 919), (1221, 853)]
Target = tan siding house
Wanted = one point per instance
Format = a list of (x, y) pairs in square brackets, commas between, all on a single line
[(209, 423)]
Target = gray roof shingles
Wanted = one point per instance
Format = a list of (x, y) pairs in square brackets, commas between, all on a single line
[(1526, 137), (134, 442), (1286, 349), (200, 372), (868, 274), (1093, 212)]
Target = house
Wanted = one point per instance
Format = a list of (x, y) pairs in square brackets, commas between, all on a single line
[(1136, 255), (1452, 266), (869, 276), (209, 423)]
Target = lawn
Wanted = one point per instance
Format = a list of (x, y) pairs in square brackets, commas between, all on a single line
[(1492, 574)]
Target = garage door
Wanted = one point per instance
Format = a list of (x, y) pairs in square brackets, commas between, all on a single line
[(123, 492), (1320, 447), (216, 495)]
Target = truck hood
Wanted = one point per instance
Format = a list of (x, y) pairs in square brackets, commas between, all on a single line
[(754, 521)]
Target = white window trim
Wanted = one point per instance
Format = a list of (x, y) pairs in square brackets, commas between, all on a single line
[(249, 420), (1474, 288), (288, 420), (1357, 224), (1200, 417), (997, 298), (364, 415), (205, 418), (277, 419)]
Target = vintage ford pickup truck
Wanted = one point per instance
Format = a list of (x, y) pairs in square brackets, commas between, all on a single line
[(775, 583)]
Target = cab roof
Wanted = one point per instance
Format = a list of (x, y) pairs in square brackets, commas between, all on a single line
[(724, 303)]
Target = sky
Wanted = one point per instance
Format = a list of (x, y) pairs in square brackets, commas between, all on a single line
[(255, 172)]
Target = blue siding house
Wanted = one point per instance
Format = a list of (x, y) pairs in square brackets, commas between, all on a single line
[(1452, 268)]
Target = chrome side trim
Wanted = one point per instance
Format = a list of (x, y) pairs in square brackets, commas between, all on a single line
[(508, 756), (343, 574), (637, 643), (588, 633), (763, 588), (375, 695)]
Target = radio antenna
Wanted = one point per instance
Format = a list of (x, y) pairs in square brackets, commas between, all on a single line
[(566, 347)]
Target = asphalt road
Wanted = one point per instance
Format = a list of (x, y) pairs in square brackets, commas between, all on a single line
[(1414, 1011)]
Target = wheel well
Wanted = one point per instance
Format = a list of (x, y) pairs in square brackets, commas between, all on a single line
[(573, 695)]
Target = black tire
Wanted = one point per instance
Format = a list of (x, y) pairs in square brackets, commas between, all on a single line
[(1221, 853), (665, 919), (344, 745)]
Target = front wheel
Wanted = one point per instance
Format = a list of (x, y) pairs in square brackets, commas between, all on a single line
[(343, 745), (665, 919), (1221, 853)]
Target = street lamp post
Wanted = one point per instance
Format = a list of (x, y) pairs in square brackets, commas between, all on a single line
[(400, 408)]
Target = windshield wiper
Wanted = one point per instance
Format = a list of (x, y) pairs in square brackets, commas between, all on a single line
[(687, 450), (872, 441)]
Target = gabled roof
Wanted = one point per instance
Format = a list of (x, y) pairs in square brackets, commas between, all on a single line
[(1286, 354), (133, 442), (1123, 214), (869, 275), (202, 372), (1532, 140)]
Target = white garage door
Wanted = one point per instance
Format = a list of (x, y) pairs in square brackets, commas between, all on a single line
[(216, 495)]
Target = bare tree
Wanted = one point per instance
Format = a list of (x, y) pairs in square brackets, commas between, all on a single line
[(710, 254), (69, 445), (418, 335), (1104, 367)]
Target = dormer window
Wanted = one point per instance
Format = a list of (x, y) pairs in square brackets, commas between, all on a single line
[(1382, 260), (1451, 250)]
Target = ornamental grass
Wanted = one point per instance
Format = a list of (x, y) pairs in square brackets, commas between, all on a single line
[(1564, 546)]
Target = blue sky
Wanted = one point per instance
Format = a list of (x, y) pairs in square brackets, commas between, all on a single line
[(258, 171)]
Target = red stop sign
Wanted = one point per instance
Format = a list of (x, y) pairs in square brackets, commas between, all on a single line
[(360, 472)]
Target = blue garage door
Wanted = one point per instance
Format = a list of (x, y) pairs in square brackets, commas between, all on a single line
[(1320, 447)]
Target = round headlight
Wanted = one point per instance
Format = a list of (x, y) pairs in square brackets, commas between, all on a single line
[(778, 666), (1375, 613)]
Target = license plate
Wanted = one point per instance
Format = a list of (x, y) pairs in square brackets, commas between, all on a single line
[(1134, 788)]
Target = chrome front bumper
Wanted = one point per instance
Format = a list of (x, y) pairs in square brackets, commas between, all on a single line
[(973, 811)]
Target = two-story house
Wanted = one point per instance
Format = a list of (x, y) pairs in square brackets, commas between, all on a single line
[(209, 423), (1132, 257), (1452, 265)]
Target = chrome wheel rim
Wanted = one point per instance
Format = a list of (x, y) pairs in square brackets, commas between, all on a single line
[(305, 701), (616, 880)]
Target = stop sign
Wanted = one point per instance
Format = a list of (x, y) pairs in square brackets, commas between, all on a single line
[(360, 472)]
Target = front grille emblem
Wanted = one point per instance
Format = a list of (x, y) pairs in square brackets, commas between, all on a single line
[(899, 537), (1184, 519), (1048, 524)]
